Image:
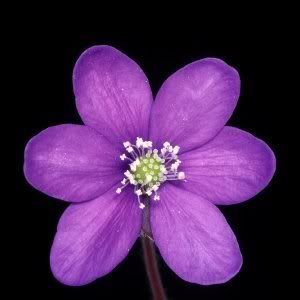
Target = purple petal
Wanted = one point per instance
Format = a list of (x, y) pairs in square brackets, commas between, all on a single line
[(94, 237), (112, 94), (231, 168), (193, 237), (194, 104), (71, 162)]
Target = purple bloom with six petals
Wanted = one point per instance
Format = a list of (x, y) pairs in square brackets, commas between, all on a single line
[(179, 161)]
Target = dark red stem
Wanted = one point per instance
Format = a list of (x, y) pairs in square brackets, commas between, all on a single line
[(152, 269)]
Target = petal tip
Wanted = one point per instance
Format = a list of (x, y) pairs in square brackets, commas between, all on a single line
[(220, 278), (64, 278), (225, 68)]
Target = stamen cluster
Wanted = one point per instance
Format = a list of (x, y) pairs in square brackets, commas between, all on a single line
[(149, 168)]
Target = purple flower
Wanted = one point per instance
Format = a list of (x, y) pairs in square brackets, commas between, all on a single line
[(173, 158)]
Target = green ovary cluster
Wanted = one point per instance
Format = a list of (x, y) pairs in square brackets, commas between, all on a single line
[(148, 171)]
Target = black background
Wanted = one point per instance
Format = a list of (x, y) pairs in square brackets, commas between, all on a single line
[(46, 59)]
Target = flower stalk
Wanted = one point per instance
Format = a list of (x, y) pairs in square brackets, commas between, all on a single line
[(152, 269)]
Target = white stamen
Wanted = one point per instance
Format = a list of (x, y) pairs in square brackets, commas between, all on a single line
[(148, 154), (163, 169), (128, 174), (148, 144), (133, 167), (139, 142), (181, 175), (175, 166), (156, 197), (155, 188), (139, 192), (158, 159), (176, 149), (163, 151), (132, 181), (123, 156), (129, 149)]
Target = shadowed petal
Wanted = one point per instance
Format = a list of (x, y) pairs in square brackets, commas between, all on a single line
[(193, 237), (112, 94), (94, 237), (231, 168), (71, 162), (194, 104)]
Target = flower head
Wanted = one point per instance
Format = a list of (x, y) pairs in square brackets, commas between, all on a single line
[(173, 156)]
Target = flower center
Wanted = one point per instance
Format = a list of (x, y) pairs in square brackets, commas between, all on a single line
[(149, 168)]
